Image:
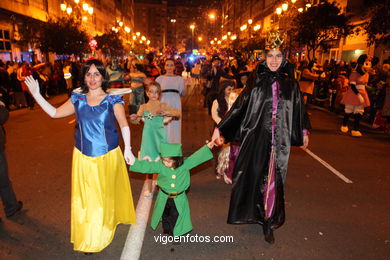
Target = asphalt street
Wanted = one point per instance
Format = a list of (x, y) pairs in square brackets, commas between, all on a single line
[(326, 218)]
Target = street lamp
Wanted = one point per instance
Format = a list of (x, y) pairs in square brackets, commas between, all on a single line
[(173, 21), (192, 27), (79, 10), (212, 17)]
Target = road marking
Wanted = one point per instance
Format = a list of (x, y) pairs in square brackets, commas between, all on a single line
[(135, 237), (327, 165)]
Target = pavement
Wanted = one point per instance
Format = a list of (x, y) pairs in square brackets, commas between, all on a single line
[(326, 217)]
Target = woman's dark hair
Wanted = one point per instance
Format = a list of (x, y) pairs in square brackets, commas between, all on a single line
[(177, 161), (222, 104), (102, 70)]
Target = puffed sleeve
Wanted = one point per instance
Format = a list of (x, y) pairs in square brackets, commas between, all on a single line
[(114, 99), (75, 97)]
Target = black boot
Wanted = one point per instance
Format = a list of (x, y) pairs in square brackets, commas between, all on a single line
[(346, 118), (268, 232), (356, 124)]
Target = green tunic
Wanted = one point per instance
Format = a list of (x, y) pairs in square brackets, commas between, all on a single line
[(173, 180)]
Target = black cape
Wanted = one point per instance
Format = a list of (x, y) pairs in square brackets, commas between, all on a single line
[(249, 122)]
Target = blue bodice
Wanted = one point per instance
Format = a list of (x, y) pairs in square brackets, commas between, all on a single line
[(95, 131)]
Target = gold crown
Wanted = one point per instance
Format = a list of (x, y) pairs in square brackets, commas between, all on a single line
[(274, 40)]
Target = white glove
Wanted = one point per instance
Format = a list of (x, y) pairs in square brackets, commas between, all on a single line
[(361, 98), (33, 86), (129, 156)]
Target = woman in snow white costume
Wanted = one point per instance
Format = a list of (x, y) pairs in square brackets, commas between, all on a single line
[(266, 119), (101, 194)]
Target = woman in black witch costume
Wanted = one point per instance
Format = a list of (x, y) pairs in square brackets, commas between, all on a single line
[(267, 118)]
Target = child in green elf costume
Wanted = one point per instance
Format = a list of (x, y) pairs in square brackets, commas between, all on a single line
[(173, 179)]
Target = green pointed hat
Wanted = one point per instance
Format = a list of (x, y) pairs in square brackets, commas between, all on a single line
[(170, 150)]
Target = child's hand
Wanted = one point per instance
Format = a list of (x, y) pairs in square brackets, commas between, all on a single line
[(210, 144), (161, 113), (219, 141), (217, 138), (167, 120)]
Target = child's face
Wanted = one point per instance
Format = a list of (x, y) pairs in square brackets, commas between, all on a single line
[(228, 90), (244, 79), (170, 66), (153, 93), (168, 162)]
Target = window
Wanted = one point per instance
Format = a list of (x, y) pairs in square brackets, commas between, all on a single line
[(5, 40)]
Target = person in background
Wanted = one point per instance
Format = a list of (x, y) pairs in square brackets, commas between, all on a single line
[(307, 78), (22, 72), (356, 97), (214, 76), (137, 78), (67, 70), (10, 203), (172, 86), (179, 67), (218, 110)]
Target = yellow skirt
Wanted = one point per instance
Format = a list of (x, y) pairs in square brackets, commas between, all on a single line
[(101, 199)]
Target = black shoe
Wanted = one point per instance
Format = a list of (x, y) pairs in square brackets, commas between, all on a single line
[(18, 209), (268, 233)]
